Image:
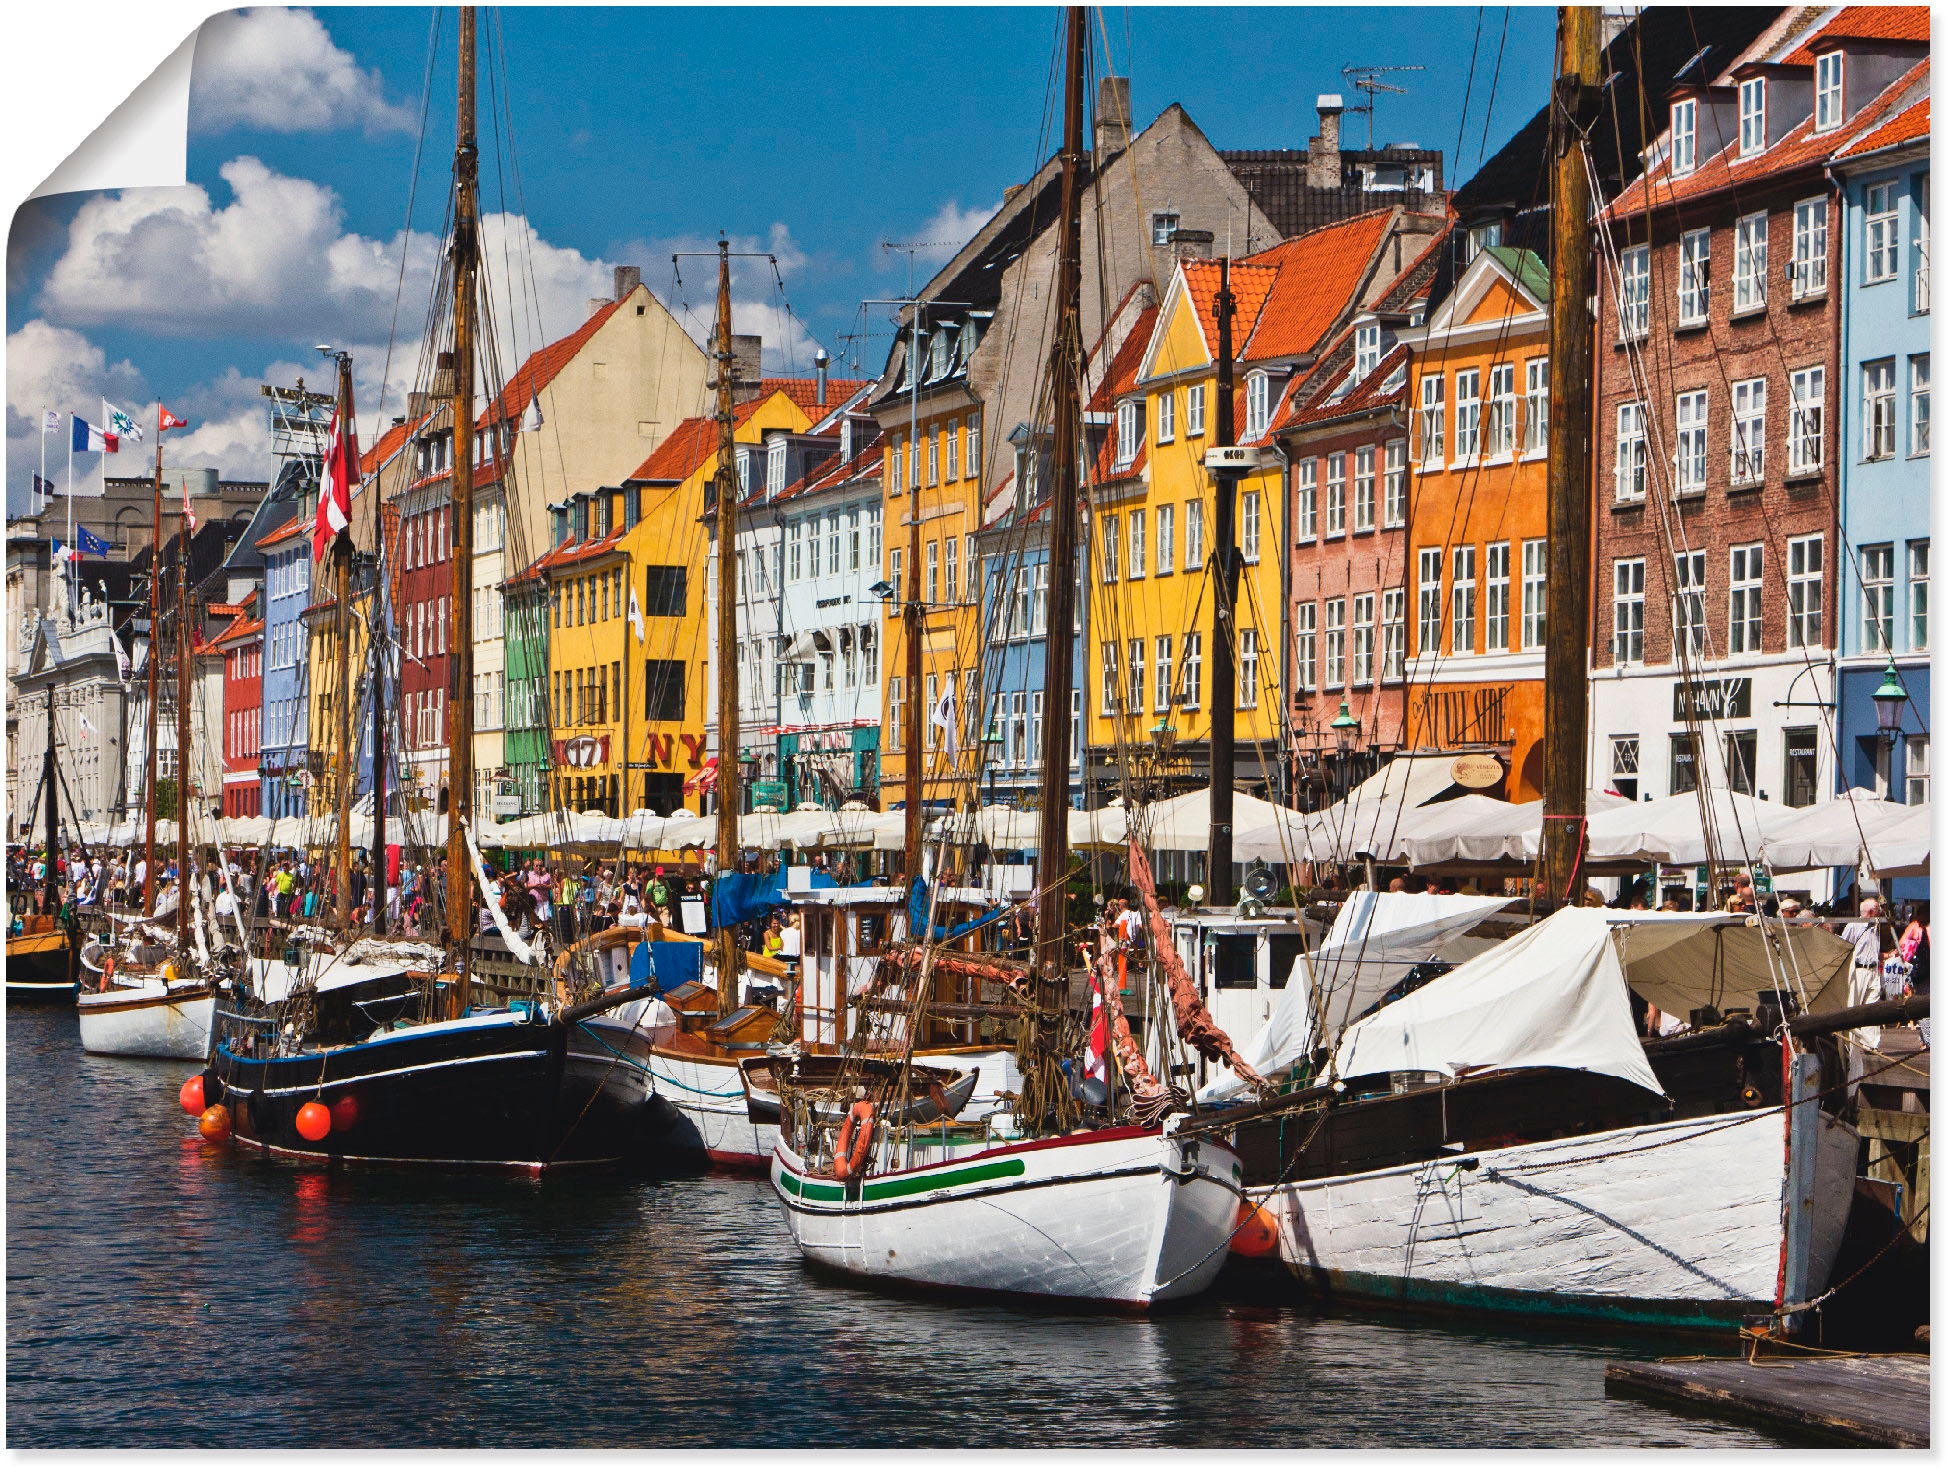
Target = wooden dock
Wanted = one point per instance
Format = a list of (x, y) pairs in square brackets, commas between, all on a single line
[(1865, 1400)]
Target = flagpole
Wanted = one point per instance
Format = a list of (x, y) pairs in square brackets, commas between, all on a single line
[(69, 568), (40, 493)]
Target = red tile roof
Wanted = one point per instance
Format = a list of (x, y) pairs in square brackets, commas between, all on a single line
[(542, 366), (389, 444), (695, 440), (804, 392), (1317, 277), (1250, 283), (1121, 375), (1315, 408), (1865, 23), (1913, 122), (289, 529), (567, 554), (866, 462)]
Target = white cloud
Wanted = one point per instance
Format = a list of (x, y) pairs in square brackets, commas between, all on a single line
[(940, 238), (279, 70), (758, 304)]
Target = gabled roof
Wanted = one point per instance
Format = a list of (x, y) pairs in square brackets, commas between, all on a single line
[(677, 458), (283, 533), (804, 392), (1250, 284), (389, 444), (1320, 406), (865, 463), (542, 367), (242, 627), (694, 441), (1904, 23), (1910, 123), (1120, 377), (567, 554), (1318, 277)]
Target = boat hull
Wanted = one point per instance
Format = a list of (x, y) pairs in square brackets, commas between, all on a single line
[(1125, 1217), (1677, 1224), (39, 967), (147, 1021)]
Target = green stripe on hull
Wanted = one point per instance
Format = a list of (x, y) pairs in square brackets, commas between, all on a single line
[(895, 1187), (1663, 1313)]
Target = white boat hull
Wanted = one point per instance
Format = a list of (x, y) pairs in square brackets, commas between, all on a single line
[(147, 1021), (1679, 1224), (1122, 1216), (708, 1095)]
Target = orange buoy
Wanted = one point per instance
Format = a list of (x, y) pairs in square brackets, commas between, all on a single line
[(191, 1095), (314, 1121), (214, 1125), (344, 1113), (1257, 1232)]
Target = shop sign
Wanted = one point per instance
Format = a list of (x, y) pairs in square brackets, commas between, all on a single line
[(1476, 769), (1476, 717), (1712, 700), (581, 751)]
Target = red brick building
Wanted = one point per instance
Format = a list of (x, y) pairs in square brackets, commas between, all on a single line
[(242, 648)]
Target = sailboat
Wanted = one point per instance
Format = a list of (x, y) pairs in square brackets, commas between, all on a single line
[(1080, 1191), (371, 1050), (41, 959)]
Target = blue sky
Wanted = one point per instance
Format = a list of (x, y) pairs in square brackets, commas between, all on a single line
[(816, 133)]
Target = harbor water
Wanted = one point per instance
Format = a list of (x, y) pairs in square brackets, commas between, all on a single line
[(163, 1292)]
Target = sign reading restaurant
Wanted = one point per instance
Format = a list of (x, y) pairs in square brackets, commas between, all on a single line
[(1713, 700)]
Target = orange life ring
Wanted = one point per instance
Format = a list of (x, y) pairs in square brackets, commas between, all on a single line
[(107, 973), (849, 1157)]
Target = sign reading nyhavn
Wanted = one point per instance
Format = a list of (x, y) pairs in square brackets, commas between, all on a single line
[(1713, 700)]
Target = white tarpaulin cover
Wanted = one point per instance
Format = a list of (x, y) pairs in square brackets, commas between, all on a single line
[(1671, 830), (1904, 849), (1552, 997), (1834, 834)]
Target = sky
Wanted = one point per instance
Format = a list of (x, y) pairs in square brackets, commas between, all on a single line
[(619, 136)]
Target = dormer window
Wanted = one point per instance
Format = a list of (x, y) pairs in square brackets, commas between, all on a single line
[(1750, 117), (743, 472), (1831, 106), (1483, 237), (939, 360), (1683, 136), (1128, 432), (774, 468), (1257, 404), (1365, 347)]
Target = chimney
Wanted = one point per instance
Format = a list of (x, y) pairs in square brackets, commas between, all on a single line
[(823, 362), (1111, 116), (595, 304), (627, 279), (443, 376), (746, 366), (1193, 245), (1322, 172)]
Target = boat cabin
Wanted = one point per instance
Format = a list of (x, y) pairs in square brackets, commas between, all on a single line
[(1240, 961), (846, 930)]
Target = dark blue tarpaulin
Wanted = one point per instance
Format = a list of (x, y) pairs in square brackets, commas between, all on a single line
[(735, 898), (669, 963), (916, 917)]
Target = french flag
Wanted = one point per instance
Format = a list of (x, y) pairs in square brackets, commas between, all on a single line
[(87, 438)]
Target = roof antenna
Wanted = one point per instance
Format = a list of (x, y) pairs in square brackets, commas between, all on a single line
[(1366, 79)]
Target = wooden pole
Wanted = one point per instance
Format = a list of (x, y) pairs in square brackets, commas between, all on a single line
[(185, 656), (346, 773), (1571, 334), (729, 738), (149, 719), (915, 617), (1223, 667)]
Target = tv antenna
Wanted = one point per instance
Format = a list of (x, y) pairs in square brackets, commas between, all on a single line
[(1366, 79)]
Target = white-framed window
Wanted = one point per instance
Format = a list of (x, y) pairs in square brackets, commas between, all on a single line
[(1534, 593), (1334, 643), (1392, 661), (1922, 244), (874, 536), (1111, 547), (1747, 432), (1747, 598), (1534, 431), (895, 575), (1634, 306), (972, 456), (1308, 500), (1305, 644), (1247, 669), (1463, 600), (1136, 672), (1919, 404), (1808, 248), (1467, 415), (1499, 595), (1628, 610), (1500, 409), (1193, 411), (1365, 480), (1138, 543), (1364, 635), (1192, 672), (1918, 633), (1038, 618), (1693, 278), (1248, 526), (1365, 350), (1257, 404), (1165, 540), (1805, 592), (1433, 420), (1162, 672), (953, 449), (1693, 442), (774, 462), (1882, 232), (1111, 679), (1192, 535), (1429, 600), (1683, 136), (1876, 598), (1395, 483), (1162, 227), (1625, 759), (1878, 416), (1687, 625), (1128, 432), (1829, 90), (1807, 444), (1166, 417), (1335, 494), (1919, 770), (932, 569), (1750, 261), (1750, 117)]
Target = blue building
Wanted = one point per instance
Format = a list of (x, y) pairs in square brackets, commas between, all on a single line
[(1885, 484), (282, 756)]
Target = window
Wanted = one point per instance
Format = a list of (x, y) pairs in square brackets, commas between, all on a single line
[(1111, 548), (1163, 672), (1749, 264), (794, 552), (1362, 637), (1876, 386), (1334, 643), (1741, 760), (1165, 540), (1876, 598), (933, 455), (1534, 593), (1829, 110), (1500, 409), (1396, 481), (1192, 535), (1193, 410), (1801, 766), (1247, 669), (774, 459), (1747, 432), (1307, 500), (1805, 592), (1922, 243), (932, 571), (662, 689), (1039, 624), (1499, 586), (1808, 249), (1807, 451), (1162, 228), (852, 541), (1429, 600), (832, 544), (1625, 758), (1138, 544), (1365, 350), (895, 575), (952, 589), (1433, 420), (1128, 432), (1364, 484), (1393, 634), (1687, 605), (952, 449), (1166, 417), (896, 713), (1916, 596), (1628, 606), (1747, 598), (1882, 232), (1683, 136), (1192, 672), (1634, 305), (1919, 768), (1257, 404), (930, 733), (1632, 453), (1463, 600), (1335, 494), (1683, 765), (1693, 441), (973, 443), (1248, 526), (1135, 677), (1693, 278), (1919, 391), (1467, 415), (1483, 237), (1111, 679), (1305, 645), (1750, 117)]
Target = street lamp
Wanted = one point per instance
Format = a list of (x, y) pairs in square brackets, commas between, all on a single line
[(1345, 730), (1889, 704)]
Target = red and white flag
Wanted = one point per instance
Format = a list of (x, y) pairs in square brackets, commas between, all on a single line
[(1096, 1061), (340, 472), (165, 420)]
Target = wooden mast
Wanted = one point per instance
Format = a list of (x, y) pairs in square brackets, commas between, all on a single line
[(914, 614), (341, 572), (1571, 345), (149, 718), (459, 678), (1064, 369), (185, 654), (729, 738), (1223, 666)]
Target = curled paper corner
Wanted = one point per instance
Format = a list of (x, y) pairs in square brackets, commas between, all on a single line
[(143, 143)]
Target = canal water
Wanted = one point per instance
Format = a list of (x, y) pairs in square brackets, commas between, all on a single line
[(162, 1292)]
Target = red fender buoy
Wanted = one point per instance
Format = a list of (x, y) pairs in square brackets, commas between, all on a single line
[(344, 1113), (849, 1157), (214, 1125), (190, 1096), (1257, 1232), (314, 1121)]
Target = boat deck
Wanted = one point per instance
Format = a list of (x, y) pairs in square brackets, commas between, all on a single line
[(1864, 1400)]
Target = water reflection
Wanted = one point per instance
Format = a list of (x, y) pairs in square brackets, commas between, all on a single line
[(145, 1268)]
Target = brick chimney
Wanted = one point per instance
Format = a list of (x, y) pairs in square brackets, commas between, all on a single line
[(627, 279), (1111, 116), (1323, 170), (1193, 245), (746, 366)]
